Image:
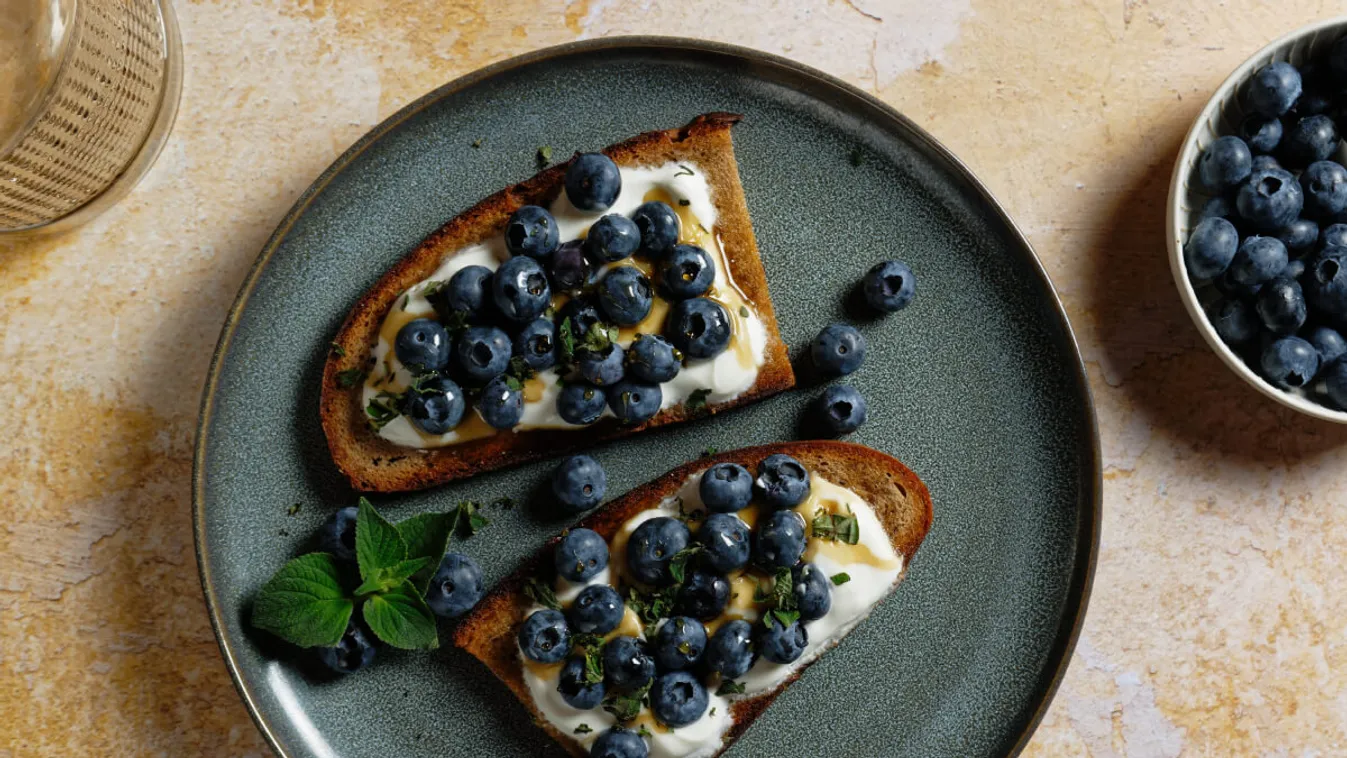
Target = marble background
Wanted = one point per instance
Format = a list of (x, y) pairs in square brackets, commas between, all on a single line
[(1215, 622)]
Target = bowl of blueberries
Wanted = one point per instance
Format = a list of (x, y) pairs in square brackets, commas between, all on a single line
[(1257, 220)]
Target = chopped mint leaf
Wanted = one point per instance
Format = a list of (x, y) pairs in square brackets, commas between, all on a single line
[(541, 593), (593, 664), (381, 410), (679, 563), (686, 516), (785, 618), (303, 602), (427, 536), (454, 322), (405, 300), (730, 687), (377, 542), (477, 142), (683, 201), (401, 618), (626, 707), (743, 311), (708, 452), (467, 519), (583, 729), (644, 731), (684, 171), (566, 343), (350, 377), (854, 157), (544, 156), (713, 710), (338, 350), (841, 578), (293, 510), (696, 402), (432, 288), (839, 527), (652, 606), (520, 370), (599, 338)]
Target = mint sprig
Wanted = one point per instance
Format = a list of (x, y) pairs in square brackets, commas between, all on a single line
[(401, 618), (427, 536), (377, 542), (304, 602)]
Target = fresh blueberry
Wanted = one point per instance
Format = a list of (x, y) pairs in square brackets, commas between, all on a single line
[(580, 403), (635, 402), (576, 689), (1335, 381), (782, 482), (1224, 164), (726, 488), (582, 314), (1220, 206), (679, 643), (598, 609), (838, 349), (570, 267), (520, 289), (1326, 281), (704, 594), (1334, 235), (1264, 163), (468, 292), (353, 652), (1258, 260), (658, 225), (533, 232), (699, 327), (1227, 286), (1313, 138), (1274, 89), (483, 352), (841, 409), (1315, 98), (687, 271), (678, 699), (726, 540), (1235, 321), (889, 286), (652, 545), (612, 238), (627, 665), (1324, 184), (593, 182), (602, 368), (1290, 362), (337, 534), (502, 402), (651, 358), (456, 586), (579, 483), (423, 345), (1270, 199), (435, 406), (1328, 343), (779, 540), (619, 743), (1262, 134), (536, 343), (730, 650), (1281, 306), (780, 643), (1294, 269), (813, 591), (581, 554), (544, 636), (624, 295), (1300, 236)]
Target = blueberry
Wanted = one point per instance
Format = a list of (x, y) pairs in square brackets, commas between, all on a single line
[(579, 483), (570, 268), (813, 591), (612, 238), (1224, 164), (544, 636), (782, 482), (1274, 89), (704, 594), (726, 487), (635, 402), (1262, 134), (1270, 199), (1328, 343), (838, 349), (423, 345), (353, 652), (598, 609), (1326, 281), (619, 743), (1220, 206), (1281, 306), (483, 352), (730, 650), (520, 289), (1313, 138), (679, 644), (652, 545), (337, 534), (1227, 286), (779, 541), (604, 367), (687, 271), (658, 225), (580, 403), (1258, 260), (468, 292), (1300, 236), (581, 554), (780, 643), (536, 343), (625, 296), (582, 314), (1335, 381), (678, 699), (726, 540), (593, 182), (435, 405), (456, 586), (889, 286), (1294, 269), (1334, 235), (840, 409), (533, 232), (575, 688), (502, 402), (1324, 184), (1290, 362), (1264, 163), (627, 665), (699, 327), (651, 358), (1235, 321)]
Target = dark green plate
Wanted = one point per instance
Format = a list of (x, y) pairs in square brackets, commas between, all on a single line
[(977, 386)]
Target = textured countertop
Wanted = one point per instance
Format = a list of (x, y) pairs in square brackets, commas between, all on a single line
[(1215, 624)]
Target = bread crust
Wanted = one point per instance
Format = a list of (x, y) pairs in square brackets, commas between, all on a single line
[(373, 464), (898, 497)]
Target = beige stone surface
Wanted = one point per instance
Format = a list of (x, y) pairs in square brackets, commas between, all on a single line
[(1214, 627)]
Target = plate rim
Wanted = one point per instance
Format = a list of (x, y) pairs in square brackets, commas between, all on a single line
[(1088, 533)]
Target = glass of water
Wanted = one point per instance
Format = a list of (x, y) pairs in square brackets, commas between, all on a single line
[(88, 93)]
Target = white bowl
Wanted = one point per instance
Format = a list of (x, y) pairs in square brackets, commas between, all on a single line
[(1220, 117)]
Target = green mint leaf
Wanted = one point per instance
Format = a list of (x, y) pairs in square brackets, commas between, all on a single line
[(599, 338), (785, 618), (544, 155), (652, 606), (583, 729), (338, 350), (433, 288), (303, 602), (377, 542), (401, 618), (846, 526), (708, 452), (822, 525), (696, 402), (294, 509), (679, 563), (541, 593), (593, 664), (520, 370), (644, 731), (386, 579), (626, 707), (350, 377), (382, 408), (686, 516), (684, 171), (683, 201), (427, 536), (468, 520), (783, 593), (841, 578), (454, 322), (477, 142), (743, 311), (566, 342), (730, 687)]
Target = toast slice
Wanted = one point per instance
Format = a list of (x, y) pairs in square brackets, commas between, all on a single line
[(898, 498), (373, 463)]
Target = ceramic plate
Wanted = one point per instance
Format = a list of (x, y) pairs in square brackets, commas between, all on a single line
[(977, 386)]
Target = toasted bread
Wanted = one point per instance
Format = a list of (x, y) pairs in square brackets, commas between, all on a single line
[(372, 463), (899, 499)]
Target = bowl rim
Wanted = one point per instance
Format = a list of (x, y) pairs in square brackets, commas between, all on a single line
[(1187, 157)]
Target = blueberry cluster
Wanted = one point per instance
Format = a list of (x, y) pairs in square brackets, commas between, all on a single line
[(1272, 240), (681, 583)]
